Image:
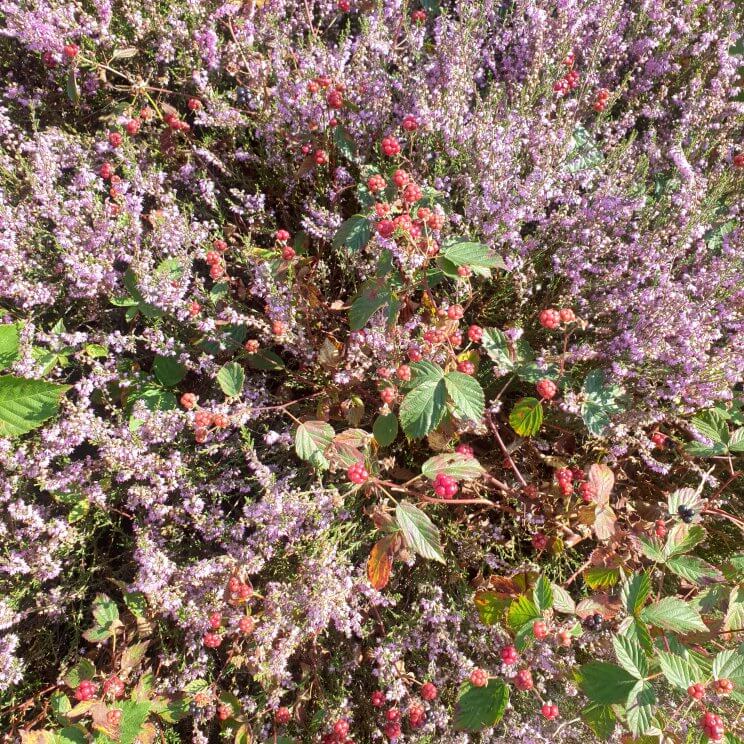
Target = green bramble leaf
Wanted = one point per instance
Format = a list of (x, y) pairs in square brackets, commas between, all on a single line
[(600, 402), (652, 548), (583, 153), (597, 577), (475, 256), (134, 716), (466, 394), (729, 664), (84, 669), (168, 370), (562, 601), (631, 656), (265, 360), (27, 404), (481, 707), (636, 590), (600, 719), (9, 344), (692, 569), (671, 613), (458, 466), (385, 429), (312, 439), (542, 594), (155, 399), (605, 683), (522, 611), (231, 378), (419, 531), (490, 606), (679, 672), (526, 417), (423, 408), (683, 538), (640, 708), (734, 618), (354, 233)]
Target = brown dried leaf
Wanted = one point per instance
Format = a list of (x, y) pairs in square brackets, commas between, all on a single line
[(602, 479), (380, 562)]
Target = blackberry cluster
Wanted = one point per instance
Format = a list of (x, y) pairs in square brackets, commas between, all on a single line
[(593, 622), (685, 513), (244, 97)]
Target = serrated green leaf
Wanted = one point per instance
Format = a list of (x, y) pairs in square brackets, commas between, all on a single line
[(168, 370), (597, 577), (600, 719), (84, 669), (231, 379), (472, 255), (683, 538), (134, 716), (583, 153), (467, 396), (481, 707), (420, 533), (458, 466), (600, 403), (422, 409), (734, 619), (490, 606), (522, 611), (712, 425), (526, 417), (496, 345), (736, 442), (562, 600), (640, 708), (637, 631), (729, 664), (605, 683), (631, 656), (385, 429), (312, 439), (691, 568), (636, 590), (155, 399), (679, 672), (652, 548), (71, 735), (671, 613), (354, 233), (27, 404), (542, 594), (265, 360), (9, 344)]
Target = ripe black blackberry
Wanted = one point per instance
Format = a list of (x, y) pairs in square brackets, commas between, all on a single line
[(686, 514), (593, 622)]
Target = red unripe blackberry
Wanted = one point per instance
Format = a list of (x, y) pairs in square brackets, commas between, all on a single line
[(546, 389), (464, 449), (455, 312), (106, 171), (466, 367), (445, 486), (115, 139), (357, 473), (113, 686), (388, 395), (71, 51), (133, 126), (188, 401), (479, 678), (282, 716), (410, 123), (540, 629), (523, 680), (475, 334), (212, 640), (376, 183), (377, 698), (335, 100), (215, 621), (566, 315), (429, 691), (403, 372), (390, 146), (341, 727), (509, 655), (549, 711), (696, 691), (385, 228), (550, 318), (246, 624), (251, 346)]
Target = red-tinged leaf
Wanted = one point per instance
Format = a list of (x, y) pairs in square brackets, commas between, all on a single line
[(604, 522), (602, 479), (380, 562), (504, 587)]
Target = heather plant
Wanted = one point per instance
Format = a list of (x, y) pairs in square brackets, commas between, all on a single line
[(371, 371)]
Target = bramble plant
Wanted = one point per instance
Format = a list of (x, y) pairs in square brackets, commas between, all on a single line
[(371, 370)]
